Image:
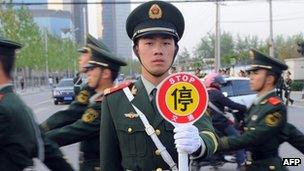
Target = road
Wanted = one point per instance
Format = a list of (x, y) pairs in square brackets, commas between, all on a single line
[(43, 107)]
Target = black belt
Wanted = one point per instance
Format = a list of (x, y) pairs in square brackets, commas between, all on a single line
[(265, 155)]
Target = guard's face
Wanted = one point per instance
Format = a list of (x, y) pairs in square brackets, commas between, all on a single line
[(156, 54), (257, 79), (94, 75), (83, 60)]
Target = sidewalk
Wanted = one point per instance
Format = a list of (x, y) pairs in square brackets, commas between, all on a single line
[(32, 90), (298, 97)]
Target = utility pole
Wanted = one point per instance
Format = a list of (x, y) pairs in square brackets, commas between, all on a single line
[(46, 55), (84, 25), (217, 38), (271, 43)]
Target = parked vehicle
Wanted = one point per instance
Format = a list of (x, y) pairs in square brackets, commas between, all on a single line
[(64, 91), (238, 90)]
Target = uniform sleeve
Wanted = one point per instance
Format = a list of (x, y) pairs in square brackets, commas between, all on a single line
[(208, 135), (64, 117), (268, 127), (54, 159), (4, 123), (82, 129), (110, 155), (225, 101), (293, 136)]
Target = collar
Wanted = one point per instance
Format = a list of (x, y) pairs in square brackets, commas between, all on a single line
[(5, 85), (148, 85), (94, 97), (262, 96)]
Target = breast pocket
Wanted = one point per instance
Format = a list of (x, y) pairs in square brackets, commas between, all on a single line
[(132, 139)]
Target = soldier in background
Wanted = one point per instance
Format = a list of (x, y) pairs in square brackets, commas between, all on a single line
[(102, 70), (20, 138), (265, 119), (288, 83)]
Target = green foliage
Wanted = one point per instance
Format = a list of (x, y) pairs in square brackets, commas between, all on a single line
[(38, 45), (297, 86), (238, 47)]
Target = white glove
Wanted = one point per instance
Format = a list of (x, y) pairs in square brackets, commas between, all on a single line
[(187, 139)]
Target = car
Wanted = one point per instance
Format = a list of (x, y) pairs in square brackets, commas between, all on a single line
[(64, 91), (238, 90)]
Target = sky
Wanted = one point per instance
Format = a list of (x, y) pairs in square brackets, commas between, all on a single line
[(243, 18)]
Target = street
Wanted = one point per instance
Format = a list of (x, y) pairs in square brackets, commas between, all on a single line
[(43, 107)]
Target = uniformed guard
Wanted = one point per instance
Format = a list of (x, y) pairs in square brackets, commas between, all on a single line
[(155, 28), (264, 120), (82, 92), (20, 138), (102, 70)]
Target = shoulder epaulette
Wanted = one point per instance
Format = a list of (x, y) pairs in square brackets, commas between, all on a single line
[(117, 87), (274, 101), (1, 97)]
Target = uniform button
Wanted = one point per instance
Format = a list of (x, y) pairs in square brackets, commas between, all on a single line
[(272, 167), (130, 130), (157, 152), (159, 169), (157, 132)]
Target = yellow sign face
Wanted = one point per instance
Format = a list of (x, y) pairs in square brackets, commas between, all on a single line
[(182, 99)]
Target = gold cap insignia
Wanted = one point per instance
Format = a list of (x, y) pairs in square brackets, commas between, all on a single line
[(131, 115), (89, 115), (83, 97), (273, 119), (155, 12)]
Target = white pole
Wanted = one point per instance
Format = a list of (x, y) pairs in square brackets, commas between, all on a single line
[(183, 162)]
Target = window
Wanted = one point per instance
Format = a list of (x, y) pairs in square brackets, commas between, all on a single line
[(227, 87), (241, 87)]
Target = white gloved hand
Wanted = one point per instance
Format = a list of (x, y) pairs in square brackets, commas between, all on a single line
[(187, 139)]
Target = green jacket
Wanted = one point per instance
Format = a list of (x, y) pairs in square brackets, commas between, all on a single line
[(70, 115), (293, 136), (263, 125), (18, 142), (85, 130), (18, 139), (124, 143)]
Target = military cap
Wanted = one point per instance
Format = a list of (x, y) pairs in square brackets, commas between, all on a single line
[(8, 47), (262, 61), (101, 57), (155, 17), (92, 40)]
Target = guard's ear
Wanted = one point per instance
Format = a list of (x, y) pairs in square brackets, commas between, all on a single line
[(176, 50), (135, 50)]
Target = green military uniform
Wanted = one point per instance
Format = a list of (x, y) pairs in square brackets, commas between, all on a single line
[(125, 144), (293, 136), (85, 129), (71, 114), (20, 138), (264, 123)]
